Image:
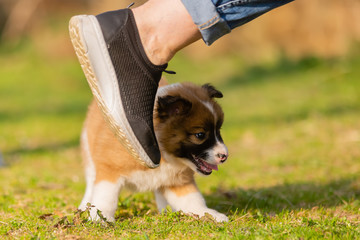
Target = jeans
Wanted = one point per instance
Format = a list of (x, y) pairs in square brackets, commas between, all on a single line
[(216, 18)]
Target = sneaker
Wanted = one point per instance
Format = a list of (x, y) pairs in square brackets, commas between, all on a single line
[(122, 79)]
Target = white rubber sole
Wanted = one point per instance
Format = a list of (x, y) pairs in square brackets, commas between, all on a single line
[(89, 45)]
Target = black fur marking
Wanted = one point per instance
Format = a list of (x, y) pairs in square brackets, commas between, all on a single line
[(190, 150), (186, 120)]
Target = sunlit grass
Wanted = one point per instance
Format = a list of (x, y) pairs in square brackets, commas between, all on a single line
[(292, 128)]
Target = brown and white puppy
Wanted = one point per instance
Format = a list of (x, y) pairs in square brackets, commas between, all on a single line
[(187, 123)]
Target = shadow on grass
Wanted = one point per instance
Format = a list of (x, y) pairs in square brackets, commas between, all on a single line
[(285, 197), (268, 200)]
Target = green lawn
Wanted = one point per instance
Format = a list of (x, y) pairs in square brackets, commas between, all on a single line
[(292, 129)]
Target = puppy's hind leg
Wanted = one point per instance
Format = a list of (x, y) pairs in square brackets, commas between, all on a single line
[(90, 179), (105, 198), (90, 172), (102, 194)]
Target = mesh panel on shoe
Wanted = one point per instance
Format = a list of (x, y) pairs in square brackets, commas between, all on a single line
[(138, 81), (128, 67)]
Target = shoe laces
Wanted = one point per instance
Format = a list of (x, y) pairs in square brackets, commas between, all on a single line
[(170, 72)]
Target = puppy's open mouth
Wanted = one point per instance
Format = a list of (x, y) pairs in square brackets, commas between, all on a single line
[(203, 166)]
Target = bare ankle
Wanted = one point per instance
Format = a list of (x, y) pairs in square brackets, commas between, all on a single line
[(156, 50), (152, 38), (165, 27)]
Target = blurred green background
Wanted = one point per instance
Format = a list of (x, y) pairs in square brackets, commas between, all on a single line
[(291, 99)]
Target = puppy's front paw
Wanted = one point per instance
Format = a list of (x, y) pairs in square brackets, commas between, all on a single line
[(219, 217)]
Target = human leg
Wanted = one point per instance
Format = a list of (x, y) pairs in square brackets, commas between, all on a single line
[(164, 27), (123, 73)]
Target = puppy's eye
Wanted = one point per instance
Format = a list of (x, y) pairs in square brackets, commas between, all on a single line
[(200, 135)]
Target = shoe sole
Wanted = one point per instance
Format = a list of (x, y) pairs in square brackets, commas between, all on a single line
[(122, 128)]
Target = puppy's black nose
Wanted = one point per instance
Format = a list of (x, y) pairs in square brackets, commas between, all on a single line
[(222, 157)]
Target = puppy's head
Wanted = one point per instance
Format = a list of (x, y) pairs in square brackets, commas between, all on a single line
[(187, 124)]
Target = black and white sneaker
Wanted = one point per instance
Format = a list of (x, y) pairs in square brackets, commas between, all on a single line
[(123, 80)]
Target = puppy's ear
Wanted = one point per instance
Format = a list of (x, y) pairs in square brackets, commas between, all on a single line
[(173, 106), (213, 93)]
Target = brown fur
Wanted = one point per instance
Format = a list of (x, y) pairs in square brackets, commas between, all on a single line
[(184, 189), (185, 116), (112, 160), (195, 118), (106, 151)]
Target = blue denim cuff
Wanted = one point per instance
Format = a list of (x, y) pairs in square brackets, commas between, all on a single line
[(216, 18), (239, 12), (207, 18)]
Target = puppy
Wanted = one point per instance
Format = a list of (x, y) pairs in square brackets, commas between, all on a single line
[(187, 123)]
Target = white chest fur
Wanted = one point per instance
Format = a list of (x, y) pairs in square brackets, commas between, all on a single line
[(167, 174)]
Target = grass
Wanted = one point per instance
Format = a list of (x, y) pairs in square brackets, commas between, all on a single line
[(292, 128)]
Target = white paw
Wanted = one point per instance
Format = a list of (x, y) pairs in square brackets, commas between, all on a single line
[(219, 217), (84, 206), (97, 215)]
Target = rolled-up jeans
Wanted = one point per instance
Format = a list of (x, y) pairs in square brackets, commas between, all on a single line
[(216, 18)]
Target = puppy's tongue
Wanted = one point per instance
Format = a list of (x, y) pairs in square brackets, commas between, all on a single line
[(211, 166)]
